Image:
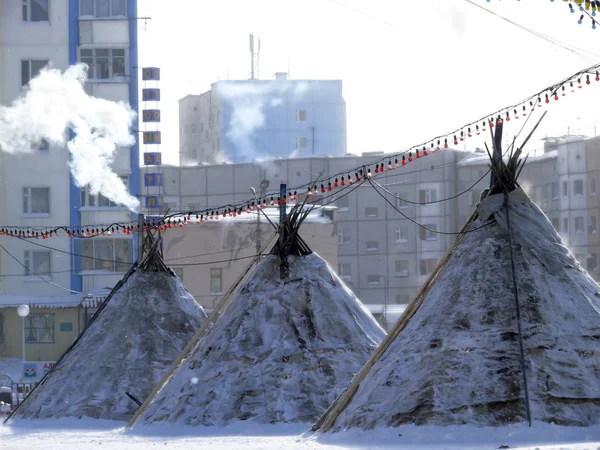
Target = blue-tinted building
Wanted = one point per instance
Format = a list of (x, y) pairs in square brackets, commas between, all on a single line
[(241, 121)]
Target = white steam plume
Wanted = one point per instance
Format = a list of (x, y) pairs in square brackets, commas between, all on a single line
[(248, 101), (56, 102)]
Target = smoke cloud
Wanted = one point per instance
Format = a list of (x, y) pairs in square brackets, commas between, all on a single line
[(56, 102), (248, 101)]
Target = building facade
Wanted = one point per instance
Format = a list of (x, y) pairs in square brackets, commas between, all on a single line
[(387, 248), (38, 188), (247, 120), (211, 256)]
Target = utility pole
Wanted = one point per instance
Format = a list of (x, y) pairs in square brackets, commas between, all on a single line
[(282, 211), (141, 238)]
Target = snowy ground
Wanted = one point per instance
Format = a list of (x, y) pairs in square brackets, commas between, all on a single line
[(72, 434)]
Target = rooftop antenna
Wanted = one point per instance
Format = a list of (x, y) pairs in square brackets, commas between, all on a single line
[(254, 57)]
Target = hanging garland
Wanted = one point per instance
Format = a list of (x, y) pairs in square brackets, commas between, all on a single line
[(341, 180)]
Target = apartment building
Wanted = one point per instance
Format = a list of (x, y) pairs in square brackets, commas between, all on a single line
[(382, 255), (243, 120), (38, 189)]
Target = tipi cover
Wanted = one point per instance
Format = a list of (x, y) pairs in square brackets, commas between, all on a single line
[(282, 351), (458, 359), (127, 347)]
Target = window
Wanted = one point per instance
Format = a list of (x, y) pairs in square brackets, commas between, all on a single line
[(343, 203), (592, 225), (35, 10), (104, 63), (399, 201), (345, 271), (36, 201), (194, 128), (37, 263), (556, 223), (39, 329), (401, 234), (565, 188), (300, 142), (111, 255), (216, 281), (372, 246), (578, 187), (371, 212), (402, 268), (1, 328), (593, 186), (554, 189), (591, 263), (579, 224), (344, 236), (427, 266), (100, 201), (373, 280), (31, 68), (427, 196), (301, 115), (427, 232), (103, 8), (402, 299), (179, 272), (545, 192), (565, 225), (579, 257)]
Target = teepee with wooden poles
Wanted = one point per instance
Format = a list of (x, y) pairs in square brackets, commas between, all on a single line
[(506, 329), (291, 339), (124, 350)]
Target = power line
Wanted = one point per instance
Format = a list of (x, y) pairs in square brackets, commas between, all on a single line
[(423, 226), (39, 276)]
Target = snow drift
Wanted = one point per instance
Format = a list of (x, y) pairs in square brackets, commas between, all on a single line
[(127, 348), (281, 352), (457, 361)]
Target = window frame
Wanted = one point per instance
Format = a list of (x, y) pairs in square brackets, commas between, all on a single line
[(299, 115), (36, 329), (565, 225), (28, 263), (553, 191), (592, 187), (27, 196), (299, 141), (372, 277), (95, 258), (341, 273), (86, 195), (92, 75), (427, 196), (402, 273), (371, 248), (26, 15), (110, 8), (30, 75), (398, 232), (341, 234), (592, 224), (216, 273), (575, 184), (427, 261), (579, 230), (374, 211), (426, 234)]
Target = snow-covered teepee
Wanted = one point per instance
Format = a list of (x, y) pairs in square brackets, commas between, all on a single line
[(506, 330), (292, 338), (129, 344)]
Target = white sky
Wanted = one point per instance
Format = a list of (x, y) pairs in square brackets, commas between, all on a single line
[(419, 69)]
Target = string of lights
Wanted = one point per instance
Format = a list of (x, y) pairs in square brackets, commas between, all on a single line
[(341, 180)]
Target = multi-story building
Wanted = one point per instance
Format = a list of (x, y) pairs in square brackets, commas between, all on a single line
[(247, 120), (387, 249), (38, 189), (382, 254)]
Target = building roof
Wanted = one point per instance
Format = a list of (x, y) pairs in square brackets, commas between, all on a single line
[(14, 301)]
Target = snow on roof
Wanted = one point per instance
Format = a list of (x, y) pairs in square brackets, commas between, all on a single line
[(477, 159), (14, 301), (318, 215)]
